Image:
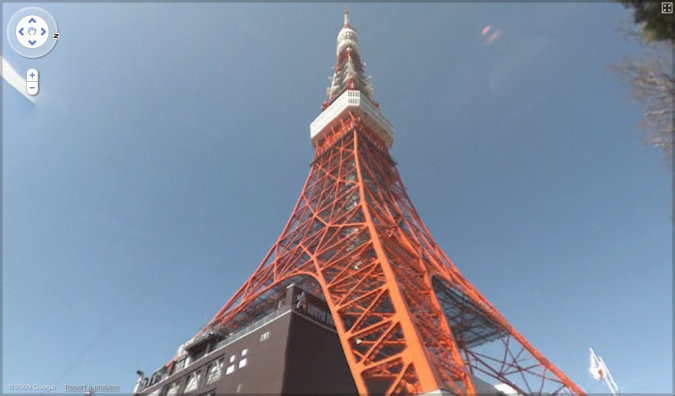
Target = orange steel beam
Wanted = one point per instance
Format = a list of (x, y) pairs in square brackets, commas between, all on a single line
[(355, 231)]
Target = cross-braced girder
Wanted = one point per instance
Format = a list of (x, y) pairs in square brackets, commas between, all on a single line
[(407, 320)]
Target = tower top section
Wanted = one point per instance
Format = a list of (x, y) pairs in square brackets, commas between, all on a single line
[(349, 69), (350, 93)]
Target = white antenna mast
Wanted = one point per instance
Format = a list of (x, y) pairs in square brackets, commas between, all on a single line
[(599, 370)]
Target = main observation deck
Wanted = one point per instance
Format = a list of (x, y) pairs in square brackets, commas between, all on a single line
[(357, 103)]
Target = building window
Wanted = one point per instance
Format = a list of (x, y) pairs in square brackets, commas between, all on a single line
[(242, 363), (244, 352), (230, 369), (156, 377), (213, 372), (264, 336), (232, 358), (192, 382)]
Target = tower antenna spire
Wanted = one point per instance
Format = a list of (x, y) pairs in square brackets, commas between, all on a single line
[(349, 70)]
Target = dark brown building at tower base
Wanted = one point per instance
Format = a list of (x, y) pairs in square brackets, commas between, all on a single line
[(293, 350)]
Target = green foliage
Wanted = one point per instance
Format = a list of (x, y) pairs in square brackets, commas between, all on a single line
[(655, 25)]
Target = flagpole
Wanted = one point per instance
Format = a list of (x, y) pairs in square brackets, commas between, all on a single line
[(609, 379)]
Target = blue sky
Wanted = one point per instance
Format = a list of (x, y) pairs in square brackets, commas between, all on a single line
[(169, 144)]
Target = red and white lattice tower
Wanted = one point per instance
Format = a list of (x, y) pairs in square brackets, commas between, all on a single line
[(408, 321)]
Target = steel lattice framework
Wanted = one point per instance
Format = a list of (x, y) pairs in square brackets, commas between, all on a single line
[(408, 321)]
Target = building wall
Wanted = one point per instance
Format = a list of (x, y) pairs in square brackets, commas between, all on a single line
[(263, 372), (315, 362), (296, 352)]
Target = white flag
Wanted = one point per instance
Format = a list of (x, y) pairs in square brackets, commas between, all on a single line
[(596, 367), (600, 371)]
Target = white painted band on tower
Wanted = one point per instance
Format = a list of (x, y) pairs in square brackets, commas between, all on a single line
[(358, 103)]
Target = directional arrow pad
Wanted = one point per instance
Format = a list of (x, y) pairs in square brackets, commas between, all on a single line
[(27, 31), (32, 32)]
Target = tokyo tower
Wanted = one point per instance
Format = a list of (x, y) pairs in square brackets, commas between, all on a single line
[(407, 321)]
